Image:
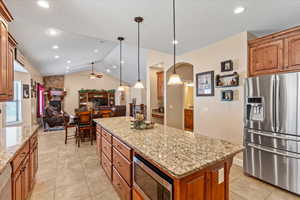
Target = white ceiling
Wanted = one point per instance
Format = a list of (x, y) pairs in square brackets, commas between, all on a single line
[(85, 23)]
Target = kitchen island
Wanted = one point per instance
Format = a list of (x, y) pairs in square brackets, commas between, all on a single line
[(191, 166)]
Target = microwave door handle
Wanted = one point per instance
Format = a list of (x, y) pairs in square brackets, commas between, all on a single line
[(277, 152)]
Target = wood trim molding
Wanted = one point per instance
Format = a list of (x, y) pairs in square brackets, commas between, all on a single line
[(277, 35), (4, 12), (12, 40)]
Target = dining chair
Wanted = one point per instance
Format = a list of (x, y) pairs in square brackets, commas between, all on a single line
[(85, 123)]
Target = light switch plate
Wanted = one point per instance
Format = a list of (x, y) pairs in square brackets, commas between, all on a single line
[(220, 175)]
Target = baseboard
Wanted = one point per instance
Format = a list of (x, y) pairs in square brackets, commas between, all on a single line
[(238, 162)]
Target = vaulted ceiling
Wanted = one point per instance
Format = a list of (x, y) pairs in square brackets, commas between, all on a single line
[(95, 24)]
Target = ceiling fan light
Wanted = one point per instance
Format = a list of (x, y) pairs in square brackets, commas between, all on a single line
[(139, 85), (174, 80), (92, 76), (121, 88)]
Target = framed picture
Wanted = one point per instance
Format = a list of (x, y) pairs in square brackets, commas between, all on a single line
[(205, 84), (227, 66), (25, 91)]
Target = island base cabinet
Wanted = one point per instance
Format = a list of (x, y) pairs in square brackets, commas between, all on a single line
[(136, 195), (209, 184), (121, 186)]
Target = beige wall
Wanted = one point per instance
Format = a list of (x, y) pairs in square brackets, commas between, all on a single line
[(77, 81), (211, 116), (175, 96)]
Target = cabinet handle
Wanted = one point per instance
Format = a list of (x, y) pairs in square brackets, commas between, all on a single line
[(119, 164)]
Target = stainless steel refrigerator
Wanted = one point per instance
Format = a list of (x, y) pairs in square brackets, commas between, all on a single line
[(272, 129)]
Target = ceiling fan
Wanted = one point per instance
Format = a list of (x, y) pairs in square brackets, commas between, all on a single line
[(92, 74)]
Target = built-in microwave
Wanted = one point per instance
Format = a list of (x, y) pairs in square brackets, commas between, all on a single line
[(150, 182)]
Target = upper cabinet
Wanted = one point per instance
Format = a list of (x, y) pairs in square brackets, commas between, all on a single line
[(160, 85), (275, 53), (7, 46)]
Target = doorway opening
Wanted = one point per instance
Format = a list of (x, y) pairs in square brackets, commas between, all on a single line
[(180, 98)]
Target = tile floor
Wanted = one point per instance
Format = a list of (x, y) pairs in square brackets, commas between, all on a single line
[(68, 173)]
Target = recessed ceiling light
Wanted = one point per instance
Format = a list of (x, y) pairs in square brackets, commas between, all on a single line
[(96, 51), (52, 32), (69, 61), (56, 57), (55, 47), (239, 10), (122, 61), (43, 3), (114, 66), (108, 70), (175, 42)]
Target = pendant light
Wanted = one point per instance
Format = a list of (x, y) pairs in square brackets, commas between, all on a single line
[(92, 74), (139, 84), (121, 88), (174, 78)]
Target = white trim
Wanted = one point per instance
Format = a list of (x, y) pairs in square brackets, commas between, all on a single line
[(238, 162)]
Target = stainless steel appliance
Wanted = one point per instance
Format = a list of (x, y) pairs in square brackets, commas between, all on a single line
[(272, 129), (150, 182)]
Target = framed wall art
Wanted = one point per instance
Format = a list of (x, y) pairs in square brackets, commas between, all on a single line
[(205, 84)]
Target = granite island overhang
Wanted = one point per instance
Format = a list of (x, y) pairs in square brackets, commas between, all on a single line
[(198, 165)]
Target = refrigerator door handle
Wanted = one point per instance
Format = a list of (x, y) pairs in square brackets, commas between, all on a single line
[(274, 136), (276, 103), (277, 152)]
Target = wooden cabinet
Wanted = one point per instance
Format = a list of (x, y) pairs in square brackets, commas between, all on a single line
[(292, 53), (136, 195), (121, 186), (6, 56), (122, 165), (275, 53), (266, 58), (25, 165), (98, 143), (160, 85), (188, 119)]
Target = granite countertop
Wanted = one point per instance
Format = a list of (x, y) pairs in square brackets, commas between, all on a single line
[(176, 151), (11, 140)]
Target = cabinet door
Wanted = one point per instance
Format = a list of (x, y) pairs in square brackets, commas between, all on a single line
[(292, 53), (136, 195), (26, 179), (160, 85), (3, 62), (35, 160), (266, 58), (98, 146), (10, 71), (17, 185)]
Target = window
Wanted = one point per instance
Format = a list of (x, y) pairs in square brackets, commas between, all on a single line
[(13, 108)]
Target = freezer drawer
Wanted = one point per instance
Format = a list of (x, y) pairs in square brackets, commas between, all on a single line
[(274, 140), (276, 167)]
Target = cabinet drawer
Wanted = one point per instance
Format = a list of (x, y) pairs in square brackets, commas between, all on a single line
[(106, 135), (121, 186), (107, 166), (106, 149), (122, 165), (123, 148), (20, 157)]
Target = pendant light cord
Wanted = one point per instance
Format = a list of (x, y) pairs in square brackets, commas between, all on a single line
[(174, 35), (139, 78)]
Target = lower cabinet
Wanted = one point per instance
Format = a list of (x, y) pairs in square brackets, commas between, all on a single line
[(25, 165), (116, 161), (121, 186), (136, 195)]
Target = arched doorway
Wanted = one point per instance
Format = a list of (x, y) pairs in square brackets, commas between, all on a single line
[(180, 98)]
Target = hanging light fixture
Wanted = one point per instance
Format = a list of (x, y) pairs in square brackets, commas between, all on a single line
[(139, 84), (121, 88), (92, 74), (174, 78)]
